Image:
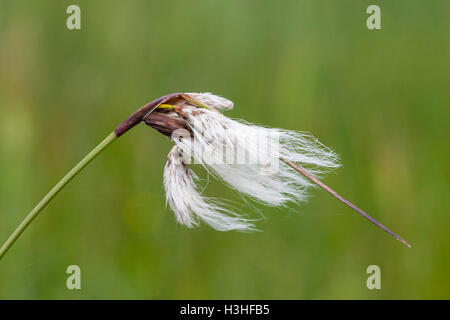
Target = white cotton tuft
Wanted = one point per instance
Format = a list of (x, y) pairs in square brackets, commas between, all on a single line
[(211, 100), (247, 157), (189, 205)]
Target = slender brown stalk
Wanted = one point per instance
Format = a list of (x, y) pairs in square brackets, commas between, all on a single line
[(339, 197)]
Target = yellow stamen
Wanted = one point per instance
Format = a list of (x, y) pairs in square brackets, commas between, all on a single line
[(166, 106)]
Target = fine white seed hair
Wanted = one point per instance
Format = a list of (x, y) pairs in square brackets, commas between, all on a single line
[(211, 100), (245, 156), (189, 205), (261, 174)]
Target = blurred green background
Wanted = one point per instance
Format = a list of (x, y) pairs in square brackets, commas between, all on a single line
[(379, 98)]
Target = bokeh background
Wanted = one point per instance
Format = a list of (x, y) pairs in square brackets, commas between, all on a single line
[(379, 98)]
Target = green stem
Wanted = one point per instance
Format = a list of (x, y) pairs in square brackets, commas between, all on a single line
[(53, 192)]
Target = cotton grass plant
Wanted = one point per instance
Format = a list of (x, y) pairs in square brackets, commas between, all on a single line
[(272, 166)]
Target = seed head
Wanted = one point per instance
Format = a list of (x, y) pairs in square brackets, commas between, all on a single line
[(245, 156)]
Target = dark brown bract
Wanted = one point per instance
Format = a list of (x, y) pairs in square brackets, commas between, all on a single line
[(165, 122)]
